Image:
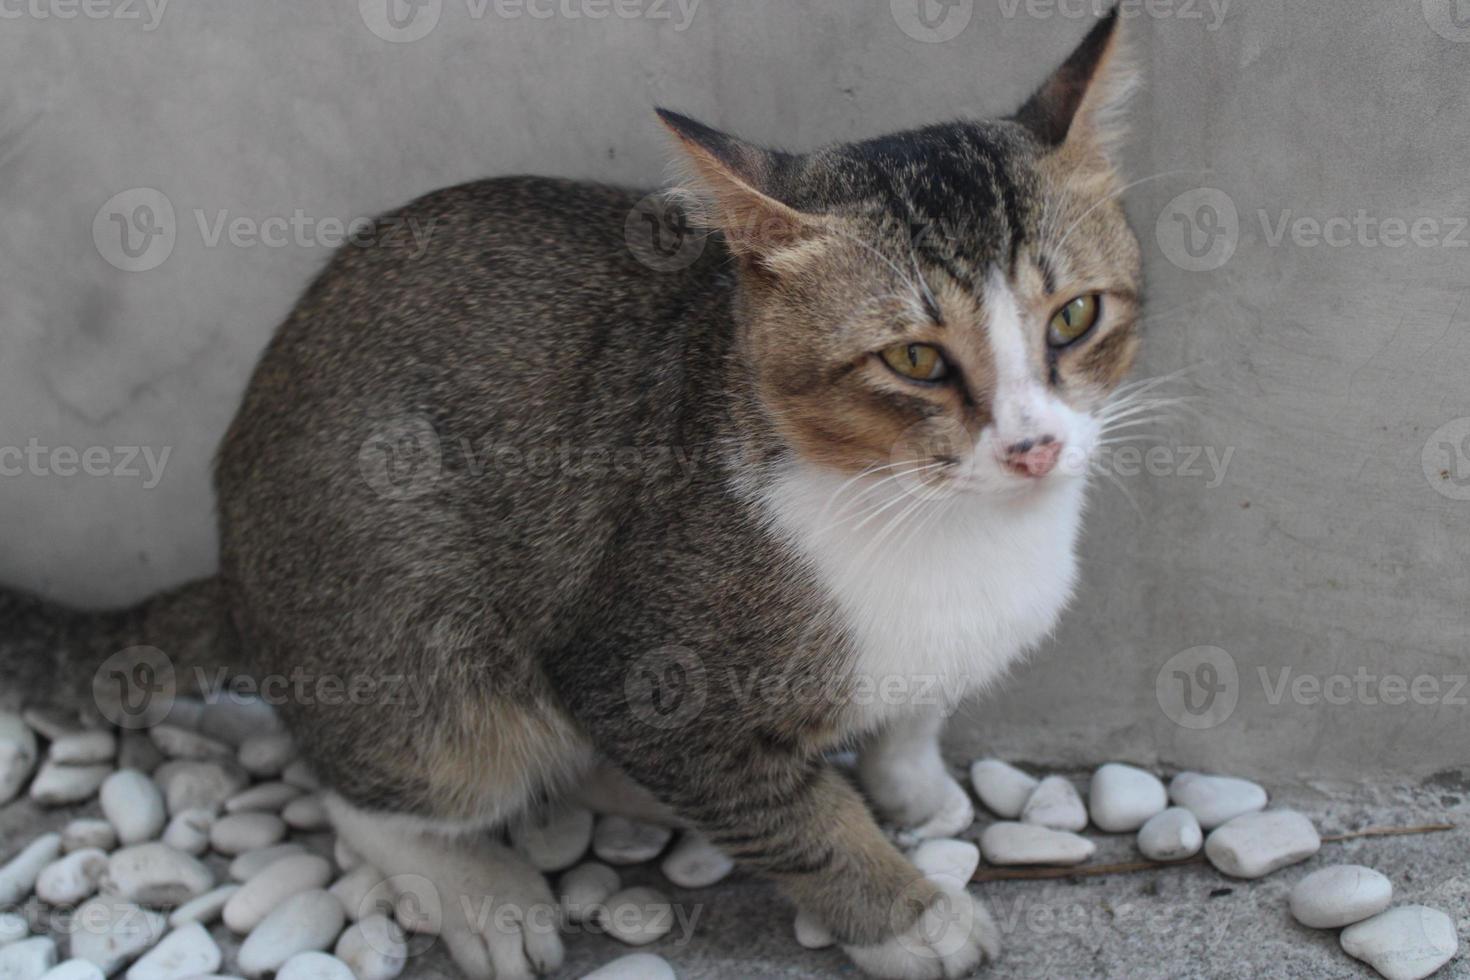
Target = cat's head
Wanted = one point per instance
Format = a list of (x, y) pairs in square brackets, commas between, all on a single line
[(956, 302)]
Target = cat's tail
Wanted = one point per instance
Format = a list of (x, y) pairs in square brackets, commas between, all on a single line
[(126, 664)]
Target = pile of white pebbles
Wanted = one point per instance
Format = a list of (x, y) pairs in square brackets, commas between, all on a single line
[(1227, 817), (212, 818)]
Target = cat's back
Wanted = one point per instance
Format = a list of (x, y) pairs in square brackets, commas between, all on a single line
[(476, 388)]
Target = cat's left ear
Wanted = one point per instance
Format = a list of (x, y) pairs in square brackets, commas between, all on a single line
[(1080, 105), (736, 180)]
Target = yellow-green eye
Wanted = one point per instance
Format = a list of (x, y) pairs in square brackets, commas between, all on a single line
[(1072, 321), (918, 362)]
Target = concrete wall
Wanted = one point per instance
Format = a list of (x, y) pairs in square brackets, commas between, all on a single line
[(1328, 539)]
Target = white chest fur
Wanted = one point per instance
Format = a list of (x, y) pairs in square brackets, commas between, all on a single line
[(941, 604)]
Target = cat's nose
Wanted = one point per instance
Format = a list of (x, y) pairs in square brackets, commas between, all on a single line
[(1033, 457)]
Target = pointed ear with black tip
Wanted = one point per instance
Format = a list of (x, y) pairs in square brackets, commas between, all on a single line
[(1081, 104), (734, 177)]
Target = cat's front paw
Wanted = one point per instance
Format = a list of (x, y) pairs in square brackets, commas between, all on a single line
[(951, 937)]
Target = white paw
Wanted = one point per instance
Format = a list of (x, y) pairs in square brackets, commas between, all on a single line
[(953, 814), (504, 926), (951, 938)]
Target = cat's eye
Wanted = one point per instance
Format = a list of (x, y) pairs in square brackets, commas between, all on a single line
[(1072, 322), (917, 362)]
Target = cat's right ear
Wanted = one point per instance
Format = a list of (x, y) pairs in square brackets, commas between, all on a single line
[(734, 177)]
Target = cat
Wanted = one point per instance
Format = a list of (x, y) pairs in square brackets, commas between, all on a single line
[(662, 535)]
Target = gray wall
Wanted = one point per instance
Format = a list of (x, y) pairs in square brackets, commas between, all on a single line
[(1332, 547)]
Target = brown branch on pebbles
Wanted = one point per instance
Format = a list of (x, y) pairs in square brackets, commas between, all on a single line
[(1128, 867)]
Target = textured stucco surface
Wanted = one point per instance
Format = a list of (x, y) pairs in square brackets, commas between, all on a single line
[(1320, 371)]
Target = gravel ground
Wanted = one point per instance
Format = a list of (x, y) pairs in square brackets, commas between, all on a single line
[(1180, 922)]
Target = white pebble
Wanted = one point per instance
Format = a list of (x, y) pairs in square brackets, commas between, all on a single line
[(268, 797), (1055, 804), (375, 948), (156, 875), (73, 878), (191, 785), (267, 890), (1122, 798), (299, 774), (306, 921), (88, 832), (1406, 943), (556, 840), (353, 888), (1256, 844), (83, 748), (241, 832), (637, 916), (314, 966), (264, 756), (13, 928), (637, 966), (585, 888), (1008, 842), (306, 813), (204, 909), (188, 951), (19, 875), (1215, 800), (694, 862), (811, 934), (180, 743), (1172, 835), (109, 933), (234, 719), (133, 805), (74, 969), (1002, 787), (18, 754), (28, 959), (619, 840), (954, 859), (185, 712), (252, 863), (188, 831), (1339, 896), (56, 785)]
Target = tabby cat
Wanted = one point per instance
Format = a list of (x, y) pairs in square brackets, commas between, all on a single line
[(661, 536)]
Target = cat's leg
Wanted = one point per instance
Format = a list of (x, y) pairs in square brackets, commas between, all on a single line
[(795, 819), (494, 911), (903, 774)]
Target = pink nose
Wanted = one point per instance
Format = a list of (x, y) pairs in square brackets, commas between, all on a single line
[(1034, 458)]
